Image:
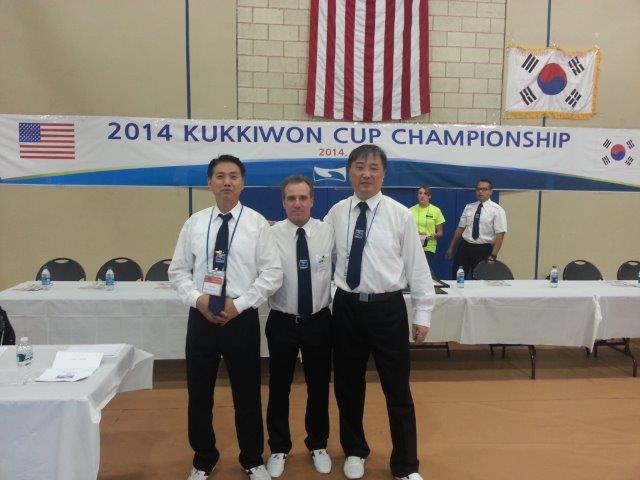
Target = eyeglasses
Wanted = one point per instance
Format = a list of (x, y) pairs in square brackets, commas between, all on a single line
[(482, 189)]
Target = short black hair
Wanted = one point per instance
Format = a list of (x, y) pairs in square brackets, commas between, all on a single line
[(295, 179), (365, 151), (486, 180), (222, 159)]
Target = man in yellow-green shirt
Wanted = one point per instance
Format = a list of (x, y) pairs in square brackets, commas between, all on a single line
[(430, 221)]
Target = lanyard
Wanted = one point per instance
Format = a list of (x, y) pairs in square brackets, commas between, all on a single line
[(226, 257), (366, 236)]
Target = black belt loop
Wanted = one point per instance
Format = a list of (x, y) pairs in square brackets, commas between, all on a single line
[(371, 297)]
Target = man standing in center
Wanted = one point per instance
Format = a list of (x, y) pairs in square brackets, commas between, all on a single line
[(300, 320), (224, 266), (378, 255)]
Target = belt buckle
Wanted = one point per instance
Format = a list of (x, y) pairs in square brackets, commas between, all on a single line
[(364, 297), (297, 320)]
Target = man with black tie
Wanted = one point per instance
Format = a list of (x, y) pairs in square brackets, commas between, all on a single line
[(300, 320), (224, 267), (482, 227), (378, 255)]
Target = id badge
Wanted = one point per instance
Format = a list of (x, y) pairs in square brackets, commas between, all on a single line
[(323, 262), (213, 282)]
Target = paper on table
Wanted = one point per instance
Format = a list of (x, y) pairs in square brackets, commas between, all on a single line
[(97, 285), (29, 287), (498, 283), (108, 350), (71, 367), (621, 283)]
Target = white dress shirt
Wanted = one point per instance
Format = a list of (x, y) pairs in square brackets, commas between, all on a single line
[(253, 269), (392, 258), (320, 242), (493, 220)]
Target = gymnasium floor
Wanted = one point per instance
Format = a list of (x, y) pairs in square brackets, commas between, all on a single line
[(479, 417)]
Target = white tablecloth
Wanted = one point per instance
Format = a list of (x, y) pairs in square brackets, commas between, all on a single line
[(153, 319), (52, 430)]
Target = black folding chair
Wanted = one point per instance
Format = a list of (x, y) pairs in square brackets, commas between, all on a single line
[(63, 269), (629, 270), (492, 271), (500, 271), (159, 271), (124, 269), (581, 270)]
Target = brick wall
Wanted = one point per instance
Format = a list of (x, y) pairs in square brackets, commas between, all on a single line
[(466, 60)]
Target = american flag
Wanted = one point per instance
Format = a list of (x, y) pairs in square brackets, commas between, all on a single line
[(47, 141), (368, 59)]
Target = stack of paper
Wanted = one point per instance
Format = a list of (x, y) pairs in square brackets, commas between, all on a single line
[(71, 367), (107, 350)]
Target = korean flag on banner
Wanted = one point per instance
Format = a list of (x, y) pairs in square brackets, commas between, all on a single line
[(551, 82)]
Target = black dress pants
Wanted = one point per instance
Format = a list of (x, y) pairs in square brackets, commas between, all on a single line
[(468, 255), (239, 343), (287, 335), (380, 329)]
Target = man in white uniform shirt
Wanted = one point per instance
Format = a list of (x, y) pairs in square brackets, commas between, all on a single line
[(224, 267), (482, 227), (378, 254), (300, 320)]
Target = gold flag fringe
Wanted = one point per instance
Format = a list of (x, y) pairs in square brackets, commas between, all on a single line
[(564, 115)]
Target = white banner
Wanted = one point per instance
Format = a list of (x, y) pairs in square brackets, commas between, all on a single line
[(551, 82), (150, 151)]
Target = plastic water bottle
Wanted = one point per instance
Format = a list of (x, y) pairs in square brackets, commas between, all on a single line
[(460, 278), (24, 357), (110, 279), (45, 278), (553, 277), (638, 278)]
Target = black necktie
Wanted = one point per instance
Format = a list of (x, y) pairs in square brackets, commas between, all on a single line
[(475, 233), (357, 246), (216, 302), (305, 294)]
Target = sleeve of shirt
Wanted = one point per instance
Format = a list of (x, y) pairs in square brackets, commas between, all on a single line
[(181, 266), (439, 218), (329, 218), (417, 270), (500, 221), (463, 219), (269, 272)]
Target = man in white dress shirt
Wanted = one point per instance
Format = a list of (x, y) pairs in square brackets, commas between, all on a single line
[(482, 227), (224, 267), (378, 255), (300, 320)]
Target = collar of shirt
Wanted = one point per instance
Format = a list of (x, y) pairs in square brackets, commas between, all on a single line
[(293, 228), (235, 212), (486, 203), (372, 203)]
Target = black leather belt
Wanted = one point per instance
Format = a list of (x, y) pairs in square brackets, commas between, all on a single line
[(299, 320), (371, 297)]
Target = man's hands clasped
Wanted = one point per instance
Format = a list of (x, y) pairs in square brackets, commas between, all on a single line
[(229, 313)]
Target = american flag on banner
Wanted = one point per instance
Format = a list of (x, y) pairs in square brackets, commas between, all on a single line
[(551, 82), (47, 141), (368, 59)]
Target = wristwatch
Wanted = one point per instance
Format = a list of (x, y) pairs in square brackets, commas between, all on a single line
[(493, 257)]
